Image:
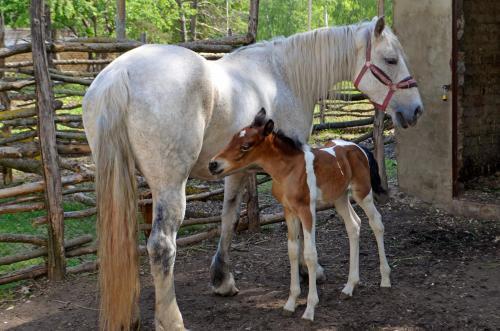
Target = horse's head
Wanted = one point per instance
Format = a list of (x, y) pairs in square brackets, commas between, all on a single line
[(382, 74), (243, 149)]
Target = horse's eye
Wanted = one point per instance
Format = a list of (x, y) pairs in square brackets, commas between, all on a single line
[(391, 61), (245, 147)]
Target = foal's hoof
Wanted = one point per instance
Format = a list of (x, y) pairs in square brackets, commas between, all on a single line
[(345, 296), (385, 284), (308, 316)]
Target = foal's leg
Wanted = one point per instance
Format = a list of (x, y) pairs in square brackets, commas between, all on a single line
[(378, 229), (311, 258), (169, 207), (293, 225), (320, 272), (221, 277), (352, 227)]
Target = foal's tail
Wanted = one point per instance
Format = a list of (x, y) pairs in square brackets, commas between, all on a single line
[(379, 192), (116, 202)]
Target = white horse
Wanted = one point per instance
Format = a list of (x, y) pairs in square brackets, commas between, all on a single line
[(167, 111)]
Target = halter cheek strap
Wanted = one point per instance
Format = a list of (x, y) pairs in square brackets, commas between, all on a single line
[(382, 77)]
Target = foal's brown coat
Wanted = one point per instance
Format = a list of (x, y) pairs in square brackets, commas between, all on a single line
[(299, 175)]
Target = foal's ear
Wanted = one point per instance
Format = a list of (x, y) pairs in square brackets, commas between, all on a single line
[(379, 26), (260, 118), (268, 128)]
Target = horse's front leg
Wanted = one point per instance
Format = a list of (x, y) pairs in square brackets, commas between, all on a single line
[(169, 207), (221, 277)]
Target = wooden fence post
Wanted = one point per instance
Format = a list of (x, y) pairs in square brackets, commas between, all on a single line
[(253, 204), (378, 128), (4, 104), (47, 135)]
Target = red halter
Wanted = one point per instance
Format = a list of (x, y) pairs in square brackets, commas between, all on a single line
[(382, 77)]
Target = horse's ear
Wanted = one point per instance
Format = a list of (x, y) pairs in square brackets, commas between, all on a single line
[(379, 26), (260, 118), (268, 128)]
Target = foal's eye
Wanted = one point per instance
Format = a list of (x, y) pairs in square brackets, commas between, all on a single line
[(391, 60), (245, 147)]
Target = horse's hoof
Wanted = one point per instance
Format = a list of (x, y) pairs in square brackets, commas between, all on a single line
[(226, 292), (287, 313), (345, 296), (227, 288), (320, 275)]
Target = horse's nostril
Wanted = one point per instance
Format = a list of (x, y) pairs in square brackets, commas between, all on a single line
[(212, 166), (418, 112)]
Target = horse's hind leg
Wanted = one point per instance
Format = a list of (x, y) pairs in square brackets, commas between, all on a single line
[(378, 229), (169, 207), (353, 227), (220, 274)]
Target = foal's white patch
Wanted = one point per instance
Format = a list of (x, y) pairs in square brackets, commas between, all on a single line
[(311, 182), (330, 150), (340, 142), (242, 133)]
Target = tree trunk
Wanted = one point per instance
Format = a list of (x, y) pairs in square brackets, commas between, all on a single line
[(182, 21), (192, 24), (253, 21), (47, 134), (120, 20)]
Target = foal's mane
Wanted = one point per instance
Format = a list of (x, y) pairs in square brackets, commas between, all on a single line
[(287, 144)]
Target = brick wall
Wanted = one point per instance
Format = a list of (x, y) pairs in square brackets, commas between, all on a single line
[(479, 88)]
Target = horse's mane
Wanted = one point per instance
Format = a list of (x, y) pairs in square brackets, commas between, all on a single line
[(312, 62)]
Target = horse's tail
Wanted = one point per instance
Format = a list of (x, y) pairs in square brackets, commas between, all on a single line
[(379, 192), (116, 201)]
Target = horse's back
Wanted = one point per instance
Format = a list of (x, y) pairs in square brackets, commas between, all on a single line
[(165, 96)]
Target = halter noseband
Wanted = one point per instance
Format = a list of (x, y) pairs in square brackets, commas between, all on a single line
[(382, 77)]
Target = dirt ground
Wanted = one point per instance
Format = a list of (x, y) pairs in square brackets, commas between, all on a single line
[(445, 276)]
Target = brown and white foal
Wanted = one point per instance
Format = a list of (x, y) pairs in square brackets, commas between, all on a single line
[(301, 177)]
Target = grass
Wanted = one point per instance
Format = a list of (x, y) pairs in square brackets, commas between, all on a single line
[(21, 223), (391, 169)]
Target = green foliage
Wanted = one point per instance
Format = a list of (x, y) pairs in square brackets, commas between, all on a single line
[(160, 19), (16, 12), (286, 17)]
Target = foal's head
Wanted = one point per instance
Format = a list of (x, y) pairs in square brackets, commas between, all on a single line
[(382, 74), (245, 148)]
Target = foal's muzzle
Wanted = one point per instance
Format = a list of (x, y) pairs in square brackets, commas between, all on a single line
[(213, 167)]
